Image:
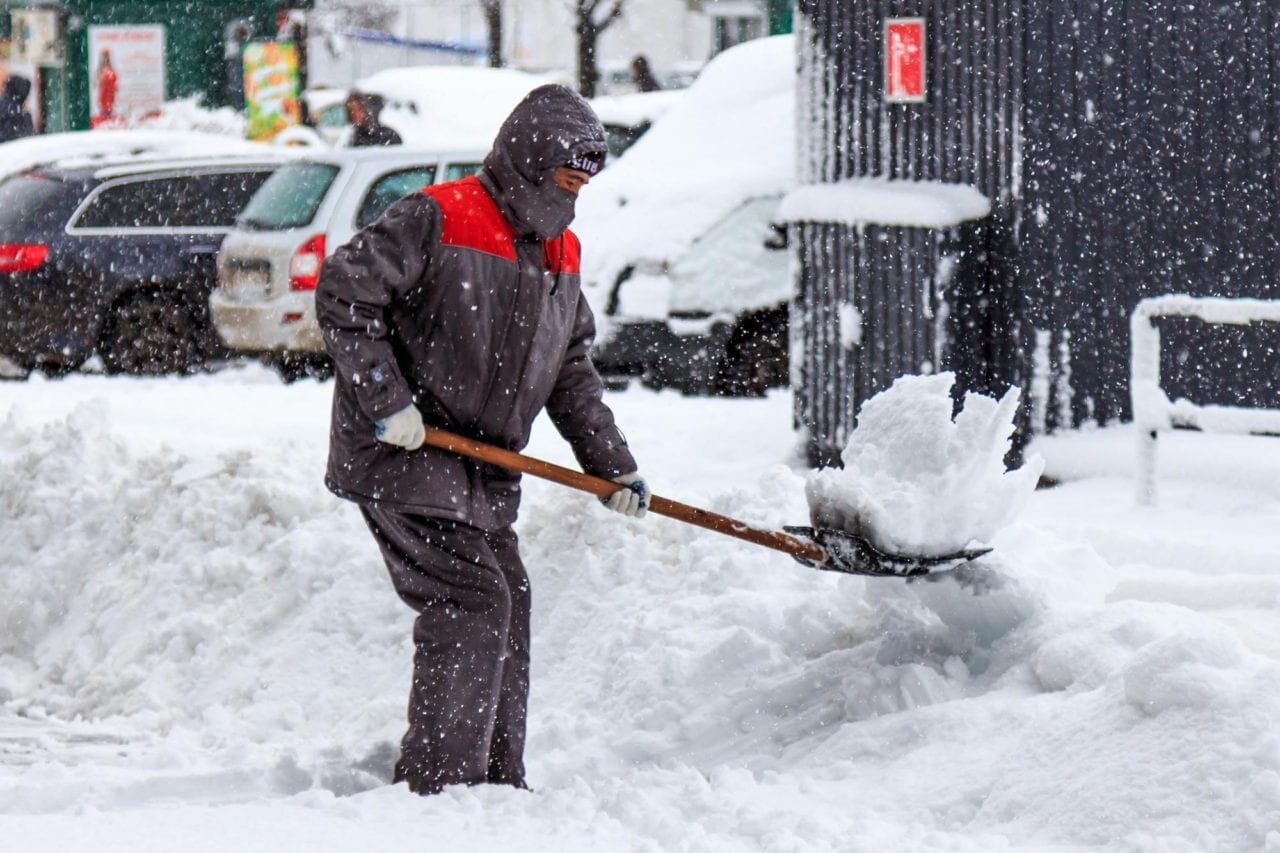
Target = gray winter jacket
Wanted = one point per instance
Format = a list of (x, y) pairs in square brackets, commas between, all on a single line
[(464, 300)]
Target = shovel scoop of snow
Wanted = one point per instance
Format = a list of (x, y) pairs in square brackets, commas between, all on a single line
[(854, 555), (923, 488)]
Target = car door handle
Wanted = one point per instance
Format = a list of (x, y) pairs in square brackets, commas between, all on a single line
[(201, 250)]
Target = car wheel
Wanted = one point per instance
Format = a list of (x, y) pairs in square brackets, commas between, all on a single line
[(293, 367), (755, 357), (58, 369), (150, 334)]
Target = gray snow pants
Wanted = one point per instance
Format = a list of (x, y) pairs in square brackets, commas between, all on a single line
[(471, 667)]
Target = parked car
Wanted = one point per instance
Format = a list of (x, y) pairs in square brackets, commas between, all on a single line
[(117, 260), (683, 261), (270, 264)]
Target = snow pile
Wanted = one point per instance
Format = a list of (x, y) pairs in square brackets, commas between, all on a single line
[(879, 201), (728, 139), (228, 595), (189, 114), (917, 481)]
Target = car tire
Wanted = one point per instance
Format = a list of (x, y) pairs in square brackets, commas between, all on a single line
[(292, 367), (755, 356), (58, 369), (150, 334)]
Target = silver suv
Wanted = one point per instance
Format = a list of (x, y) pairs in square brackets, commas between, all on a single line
[(270, 263)]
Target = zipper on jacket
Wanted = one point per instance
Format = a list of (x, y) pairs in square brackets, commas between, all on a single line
[(506, 334)]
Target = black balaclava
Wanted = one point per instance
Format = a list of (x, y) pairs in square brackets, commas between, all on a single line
[(550, 127)]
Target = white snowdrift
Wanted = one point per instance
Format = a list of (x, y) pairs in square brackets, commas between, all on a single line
[(917, 481), (199, 649)]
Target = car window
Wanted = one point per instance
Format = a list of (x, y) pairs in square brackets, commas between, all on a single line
[(458, 171), (390, 188), (289, 198), (214, 200), (34, 203), (135, 204), (334, 115)]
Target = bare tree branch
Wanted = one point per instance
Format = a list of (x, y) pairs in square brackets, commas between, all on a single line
[(588, 28), (614, 14)]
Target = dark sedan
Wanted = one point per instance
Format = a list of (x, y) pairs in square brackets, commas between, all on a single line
[(117, 260)]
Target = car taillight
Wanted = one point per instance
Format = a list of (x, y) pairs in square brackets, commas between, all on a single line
[(22, 257), (304, 268)]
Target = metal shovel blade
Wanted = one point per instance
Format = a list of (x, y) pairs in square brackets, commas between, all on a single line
[(854, 555)]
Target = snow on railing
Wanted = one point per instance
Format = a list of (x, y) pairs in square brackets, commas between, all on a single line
[(1152, 408)]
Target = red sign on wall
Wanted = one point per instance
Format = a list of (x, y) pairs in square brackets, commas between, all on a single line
[(905, 58)]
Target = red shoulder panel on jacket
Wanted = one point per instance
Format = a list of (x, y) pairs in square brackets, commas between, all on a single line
[(471, 219), (564, 254)]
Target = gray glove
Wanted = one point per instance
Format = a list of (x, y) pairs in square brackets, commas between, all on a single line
[(633, 499), (403, 429)]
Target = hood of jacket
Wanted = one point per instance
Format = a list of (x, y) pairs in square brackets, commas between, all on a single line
[(551, 126), (17, 88)]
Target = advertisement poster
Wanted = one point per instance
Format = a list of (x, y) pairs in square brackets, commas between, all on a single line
[(271, 82), (126, 73), (904, 60)]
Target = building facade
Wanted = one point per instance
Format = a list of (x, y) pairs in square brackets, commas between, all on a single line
[(178, 48)]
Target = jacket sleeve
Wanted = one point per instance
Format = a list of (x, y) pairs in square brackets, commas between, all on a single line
[(578, 410), (357, 286)]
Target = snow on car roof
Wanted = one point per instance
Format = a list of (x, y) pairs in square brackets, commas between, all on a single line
[(180, 164), (456, 105), (396, 153), (729, 139), (90, 145)]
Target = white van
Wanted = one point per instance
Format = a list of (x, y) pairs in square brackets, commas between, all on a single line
[(269, 264)]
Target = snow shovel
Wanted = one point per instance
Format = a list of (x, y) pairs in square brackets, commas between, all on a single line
[(829, 550)]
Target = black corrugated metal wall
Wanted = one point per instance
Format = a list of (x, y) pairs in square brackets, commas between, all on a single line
[(968, 133), (1129, 148), (1151, 168)]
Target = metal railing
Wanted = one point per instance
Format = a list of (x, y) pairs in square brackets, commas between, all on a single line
[(1153, 410)]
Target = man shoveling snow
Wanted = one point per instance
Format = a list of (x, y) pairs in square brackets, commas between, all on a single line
[(461, 306)]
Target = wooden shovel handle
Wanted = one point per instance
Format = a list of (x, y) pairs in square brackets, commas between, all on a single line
[(602, 488)]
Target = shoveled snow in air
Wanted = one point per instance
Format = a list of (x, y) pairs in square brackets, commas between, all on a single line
[(199, 649), (918, 481)]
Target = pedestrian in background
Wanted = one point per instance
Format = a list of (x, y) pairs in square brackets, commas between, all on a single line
[(642, 75), (364, 111), (15, 121)]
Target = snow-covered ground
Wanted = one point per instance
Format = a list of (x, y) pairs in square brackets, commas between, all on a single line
[(199, 649)]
